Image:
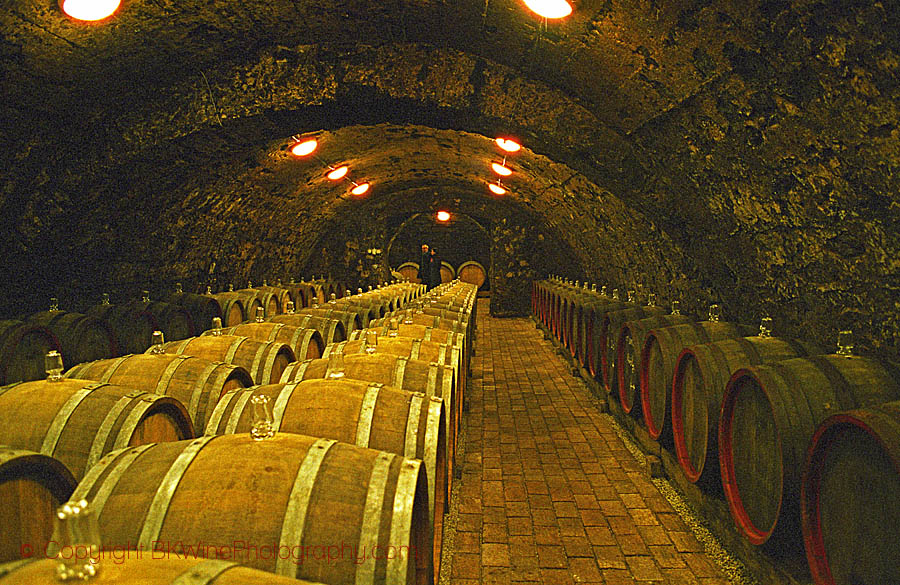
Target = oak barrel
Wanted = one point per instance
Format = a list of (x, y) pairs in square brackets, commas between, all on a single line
[(203, 309), (306, 343), (849, 493), (348, 316), (769, 414), (22, 350), (124, 566), (264, 360), (132, 326), (632, 335), (608, 339), (79, 421), (331, 330), (701, 374), (659, 354), (81, 338), (410, 271), (301, 494), (174, 321), (195, 382), (473, 273), (32, 486), (365, 414), (588, 320), (233, 310)]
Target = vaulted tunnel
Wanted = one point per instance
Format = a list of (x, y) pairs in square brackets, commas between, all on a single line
[(745, 154)]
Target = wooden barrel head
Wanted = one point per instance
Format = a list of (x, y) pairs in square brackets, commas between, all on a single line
[(22, 351), (32, 486), (473, 273)]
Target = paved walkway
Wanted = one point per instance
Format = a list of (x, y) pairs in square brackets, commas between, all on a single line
[(549, 492)]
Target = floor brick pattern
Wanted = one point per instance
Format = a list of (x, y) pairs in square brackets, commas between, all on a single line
[(549, 493)]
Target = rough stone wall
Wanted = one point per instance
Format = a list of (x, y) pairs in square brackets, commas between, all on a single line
[(781, 179)]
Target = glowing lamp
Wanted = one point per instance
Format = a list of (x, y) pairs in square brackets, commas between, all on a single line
[(550, 8), (501, 170), (338, 173), (360, 189), (443, 216), (90, 10), (305, 148), (497, 189), (508, 145)]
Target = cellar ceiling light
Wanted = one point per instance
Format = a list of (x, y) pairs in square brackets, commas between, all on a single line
[(338, 173), (501, 170), (443, 216), (305, 147), (89, 10), (508, 145), (359, 189), (497, 189), (550, 8)]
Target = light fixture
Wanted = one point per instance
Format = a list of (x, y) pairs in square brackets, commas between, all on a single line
[(359, 188), (89, 10), (338, 173), (304, 147), (550, 8), (508, 145), (501, 170), (497, 188), (443, 215)]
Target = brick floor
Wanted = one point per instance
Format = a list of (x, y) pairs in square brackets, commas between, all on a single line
[(549, 493)]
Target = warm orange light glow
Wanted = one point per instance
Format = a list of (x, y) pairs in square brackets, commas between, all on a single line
[(360, 189), (305, 148), (443, 216), (550, 8), (501, 170), (338, 173), (508, 145), (90, 9), (497, 189)]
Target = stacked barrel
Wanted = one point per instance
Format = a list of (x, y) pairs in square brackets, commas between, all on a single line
[(802, 444), (252, 433)]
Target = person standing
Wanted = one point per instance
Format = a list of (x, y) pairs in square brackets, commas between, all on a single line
[(425, 267), (434, 272)]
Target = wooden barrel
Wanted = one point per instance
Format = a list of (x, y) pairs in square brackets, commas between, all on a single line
[(366, 309), (331, 330), (264, 360), (300, 494), (632, 335), (174, 321), (587, 322), (390, 370), (307, 344), (659, 354), (610, 324), (350, 318), (302, 294), (81, 338), (282, 296), (203, 309), (701, 374), (849, 493), (410, 271), (448, 273), (769, 414), (233, 310), (22, 350), (263, 298), (32, 486), (365, 414), (426, 333), (433, 321), (473, 273), (124, 566), (133, 326), (195, 382), (79, 421)]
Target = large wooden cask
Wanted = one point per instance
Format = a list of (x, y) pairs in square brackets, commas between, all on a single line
[(297, 493), (81, 338), (23, 347), (264, 360), (768, 417), (203, 309), (306, 343), (349, 316), (133, 326), (850, 489), (79, 421), (32, 486), (331, 330), (195, 382), (365, 414)]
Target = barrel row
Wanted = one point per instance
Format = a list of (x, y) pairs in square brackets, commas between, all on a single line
[(779, 426)]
